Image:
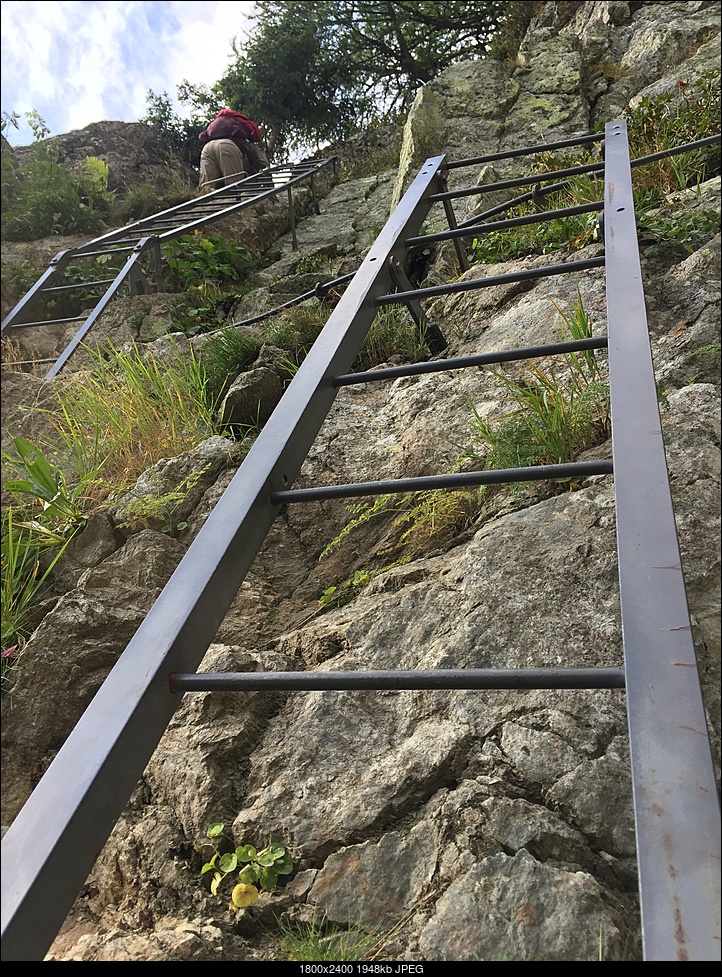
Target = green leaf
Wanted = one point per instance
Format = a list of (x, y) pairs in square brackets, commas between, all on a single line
[(249, 874), (246, 853), (228, 863), (215, 829), (268, 879), (265, 858), (217, 879)]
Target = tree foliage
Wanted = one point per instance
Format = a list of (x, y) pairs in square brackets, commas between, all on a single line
[(320, 70), (314, 71)]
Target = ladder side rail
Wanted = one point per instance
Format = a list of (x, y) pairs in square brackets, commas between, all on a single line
[(123, 274), (50, 848), (57, 265), (675, 797)]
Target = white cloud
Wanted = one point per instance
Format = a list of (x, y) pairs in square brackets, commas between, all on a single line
[(83, 61)]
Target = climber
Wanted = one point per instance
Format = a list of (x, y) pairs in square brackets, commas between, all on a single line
[(229, 138)]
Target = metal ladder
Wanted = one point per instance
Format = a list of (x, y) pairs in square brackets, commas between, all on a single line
[(139, 245), (49, 850)]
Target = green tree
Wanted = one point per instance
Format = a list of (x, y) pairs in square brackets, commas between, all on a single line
[(314, 71)]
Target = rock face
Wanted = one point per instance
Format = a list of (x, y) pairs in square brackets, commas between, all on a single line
[(130, 149), (459, 825)]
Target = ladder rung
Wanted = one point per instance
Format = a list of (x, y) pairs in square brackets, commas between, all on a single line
[(92, 254), (526, 151), (50, 359), (522, 181), (66, 288), (438, 678), (471, 230), (462, 362), (495, 476), (529, 274), (48, 322)]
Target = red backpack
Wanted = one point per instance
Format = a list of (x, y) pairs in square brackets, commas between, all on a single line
[(254, 133)]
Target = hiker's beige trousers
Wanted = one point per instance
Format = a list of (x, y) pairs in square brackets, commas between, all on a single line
[(220, 158)]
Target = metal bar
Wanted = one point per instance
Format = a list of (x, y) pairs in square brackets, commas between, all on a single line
[(301, 170), (58, 263), (99, 308), (286, 305), (494, 476), (461, 255), (292, 219), (544, 191), (462, 362), (433, 336), (521, 181), (529, 274), (93, 254), (675, 795), (515, 201), (67, 288), (367, 681), (70, 814), (219, 179), (526, 151), (49, 359), (468, 231), (46, 322), (676, 150)]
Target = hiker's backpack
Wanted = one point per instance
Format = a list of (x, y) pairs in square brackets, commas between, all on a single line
[(254, 133)]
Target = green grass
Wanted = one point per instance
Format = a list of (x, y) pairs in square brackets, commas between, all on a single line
[(24, 543), (319, 941), (126, 412)]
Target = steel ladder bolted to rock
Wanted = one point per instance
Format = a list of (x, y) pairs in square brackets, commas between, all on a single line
[(70, 815), (145, 238)]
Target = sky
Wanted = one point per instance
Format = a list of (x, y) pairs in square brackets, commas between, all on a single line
[(81, 61)]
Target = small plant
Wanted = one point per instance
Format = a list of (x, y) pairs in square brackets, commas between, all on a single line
[(392, 334), (313, 262), (320, 941), (197, 259), (227, 354), (679, 233), (46, 482), (420, 521), (338, 596), (44, 198), (23, 580), (128, 410), (672, 119), (559, 411), (259, 868), (149, 510), (296, 329)]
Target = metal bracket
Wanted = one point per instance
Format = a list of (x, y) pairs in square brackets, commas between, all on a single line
[(433, 336), (451, 220)]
